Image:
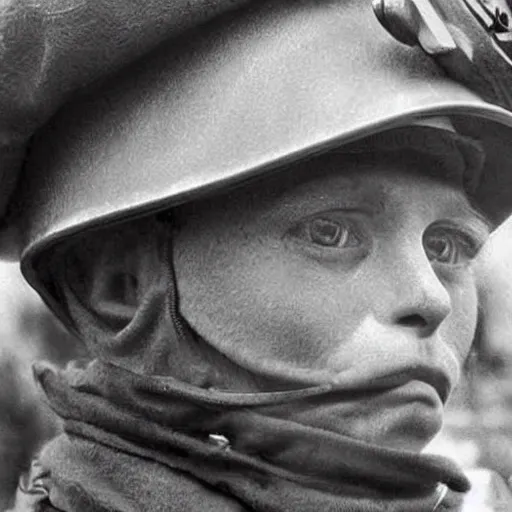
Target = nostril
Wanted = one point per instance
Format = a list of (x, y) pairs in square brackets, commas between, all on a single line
[(413, 321)]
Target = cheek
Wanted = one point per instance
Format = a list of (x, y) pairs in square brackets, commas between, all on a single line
[(258, 302), (308, 312)]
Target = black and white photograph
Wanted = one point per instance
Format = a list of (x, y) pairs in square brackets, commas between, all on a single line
[(256, 256)]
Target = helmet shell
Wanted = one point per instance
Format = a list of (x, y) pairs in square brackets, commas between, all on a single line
[(247, 93)]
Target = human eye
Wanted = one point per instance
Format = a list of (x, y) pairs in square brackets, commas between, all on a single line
[(327, 231), (451, 244)]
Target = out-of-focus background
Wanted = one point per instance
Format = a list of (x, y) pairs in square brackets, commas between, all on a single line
[(477, 432), (28, 332)]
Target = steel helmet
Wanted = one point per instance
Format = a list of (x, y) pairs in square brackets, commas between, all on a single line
[(253, 90)]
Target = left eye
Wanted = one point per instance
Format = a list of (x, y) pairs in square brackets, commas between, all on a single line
[(327, 233), (448, 248)]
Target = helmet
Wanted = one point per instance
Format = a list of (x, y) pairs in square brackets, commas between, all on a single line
[(251, 91)]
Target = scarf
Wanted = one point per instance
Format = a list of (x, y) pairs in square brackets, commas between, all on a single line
[(161, 421)]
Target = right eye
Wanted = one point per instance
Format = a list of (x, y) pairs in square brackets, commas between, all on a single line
[(327, 232)]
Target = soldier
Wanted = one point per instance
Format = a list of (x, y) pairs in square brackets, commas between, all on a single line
[(265, 232)]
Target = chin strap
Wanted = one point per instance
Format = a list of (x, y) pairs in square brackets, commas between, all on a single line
[(470, 39)]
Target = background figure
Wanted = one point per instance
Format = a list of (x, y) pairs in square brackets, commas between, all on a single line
[(28, 332)]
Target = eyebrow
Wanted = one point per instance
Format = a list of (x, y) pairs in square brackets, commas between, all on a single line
[(474, 213), (303, 186)]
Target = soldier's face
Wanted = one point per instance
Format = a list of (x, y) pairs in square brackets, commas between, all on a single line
[(361, 277)]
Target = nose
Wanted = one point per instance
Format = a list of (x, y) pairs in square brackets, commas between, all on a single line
[(419, 300)]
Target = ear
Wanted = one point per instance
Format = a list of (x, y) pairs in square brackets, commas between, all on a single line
[(114, 296), (493, 271), (111, 287)]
